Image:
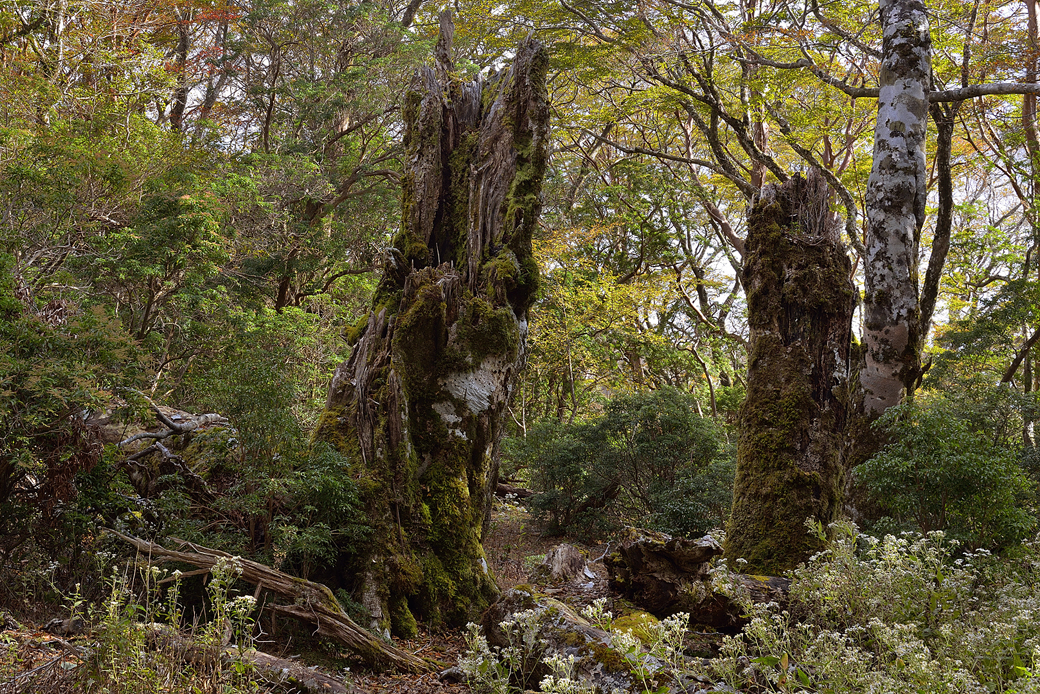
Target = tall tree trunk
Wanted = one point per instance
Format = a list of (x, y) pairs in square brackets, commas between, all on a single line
[(895, 201), (801, 300), (180, 92), (420, 404)]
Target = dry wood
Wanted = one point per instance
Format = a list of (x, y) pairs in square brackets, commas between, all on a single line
[(422, 399), (173, 427), (268, 666), (313, 602)]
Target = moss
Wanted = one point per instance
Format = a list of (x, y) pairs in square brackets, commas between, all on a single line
[(425, 487), (456, 223), (485, 330), (789, 453), (354, 332), (334, 428), (414, 249), (612, 660), (209, 450), (402, 621), (421, 335), (638, 623)]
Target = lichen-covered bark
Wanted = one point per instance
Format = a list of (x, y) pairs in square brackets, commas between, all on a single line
[(800, 304), (420, 403), (895, 202)]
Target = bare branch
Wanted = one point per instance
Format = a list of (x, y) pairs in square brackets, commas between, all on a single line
[(821, 74), (976, 90), (1010, 373)]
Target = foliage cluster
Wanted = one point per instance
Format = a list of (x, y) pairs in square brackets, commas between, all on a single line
[(906, 613), (142, 641), (205, 254), (648, 459), (955, 462)]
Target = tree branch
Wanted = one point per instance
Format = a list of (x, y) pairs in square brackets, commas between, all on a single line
[(1010, 373), (976, 90)]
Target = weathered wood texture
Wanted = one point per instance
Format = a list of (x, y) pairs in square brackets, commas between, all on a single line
[(790, 464), (312, 602), (420, 403), (274, 669), (665, 575)]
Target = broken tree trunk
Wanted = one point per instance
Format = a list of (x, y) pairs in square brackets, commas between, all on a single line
[(790, 465), (419, 406), (312, 602)]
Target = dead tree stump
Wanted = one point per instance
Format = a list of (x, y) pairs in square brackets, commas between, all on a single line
[(801, 299), (419, 405)]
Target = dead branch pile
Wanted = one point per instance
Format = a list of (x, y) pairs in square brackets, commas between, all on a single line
[(311, 602)]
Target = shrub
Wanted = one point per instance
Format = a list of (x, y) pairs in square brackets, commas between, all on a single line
[(899, 614), (649, 459), (946, 469)]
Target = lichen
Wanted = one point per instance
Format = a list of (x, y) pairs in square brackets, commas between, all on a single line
[(426, 466)]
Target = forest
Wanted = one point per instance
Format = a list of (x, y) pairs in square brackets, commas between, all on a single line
[(570, 346)]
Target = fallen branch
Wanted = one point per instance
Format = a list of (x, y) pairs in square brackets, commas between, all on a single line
[(504, 489), (271, 667), (312, 602), (173, 428)]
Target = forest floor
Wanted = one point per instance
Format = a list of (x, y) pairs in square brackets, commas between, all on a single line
[(515, 546)]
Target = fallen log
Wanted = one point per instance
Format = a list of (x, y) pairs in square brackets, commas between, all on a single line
[(312, 602), (505, 489), (275, 669)]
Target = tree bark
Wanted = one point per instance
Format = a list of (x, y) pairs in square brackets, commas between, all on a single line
[(420, 404), (895, 201), (801, 298)]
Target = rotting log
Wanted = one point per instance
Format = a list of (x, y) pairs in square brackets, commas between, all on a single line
[(504, 489), (800, 295), (275, 669), (312, 602), (419, 406), (665, 575)]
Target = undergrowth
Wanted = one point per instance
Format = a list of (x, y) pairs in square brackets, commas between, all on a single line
[(138, 641), (900, 614)]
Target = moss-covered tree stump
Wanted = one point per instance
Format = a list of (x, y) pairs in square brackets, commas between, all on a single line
[(801, 299), (419, 405)]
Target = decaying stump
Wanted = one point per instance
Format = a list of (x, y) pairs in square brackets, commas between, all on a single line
[(563, 563), (419, 405), (666, 575), (662, 574), (801, 299)]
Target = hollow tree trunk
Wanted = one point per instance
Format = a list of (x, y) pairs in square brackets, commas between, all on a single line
[(420, 404), (800, 303)]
